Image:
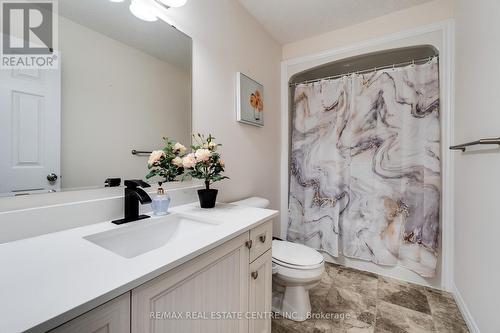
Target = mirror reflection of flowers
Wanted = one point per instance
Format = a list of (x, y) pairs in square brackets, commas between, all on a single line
[(257, 103), (205, 161), (167, 163)]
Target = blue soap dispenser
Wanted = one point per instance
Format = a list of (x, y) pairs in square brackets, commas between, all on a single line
[(161, 202)]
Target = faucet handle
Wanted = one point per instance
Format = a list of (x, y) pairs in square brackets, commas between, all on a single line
[(135, 183)]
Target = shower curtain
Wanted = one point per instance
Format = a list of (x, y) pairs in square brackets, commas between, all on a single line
[(365, 165)]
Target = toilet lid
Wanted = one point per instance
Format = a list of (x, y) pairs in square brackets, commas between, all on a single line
[(296, 254)]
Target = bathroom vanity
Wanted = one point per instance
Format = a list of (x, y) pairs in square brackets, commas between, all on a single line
[(192, 271)]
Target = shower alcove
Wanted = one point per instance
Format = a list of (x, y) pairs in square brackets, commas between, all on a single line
[(418, 47)]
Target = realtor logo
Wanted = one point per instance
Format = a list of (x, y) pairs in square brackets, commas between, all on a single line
[(28, 34)]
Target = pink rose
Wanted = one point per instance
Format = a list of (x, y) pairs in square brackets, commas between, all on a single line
[(202, 155), (177, 162), (155, 156), (180, 148), (189, 161)]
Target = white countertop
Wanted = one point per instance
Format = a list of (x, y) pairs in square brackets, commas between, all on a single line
[(50, 279)]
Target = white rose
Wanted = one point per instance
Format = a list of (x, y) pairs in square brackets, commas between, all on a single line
[(180, 148), (155, 156), (177, 161), (189, 161), (202, 155)]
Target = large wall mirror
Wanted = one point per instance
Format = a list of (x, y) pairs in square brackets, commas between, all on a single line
[(122, 84)]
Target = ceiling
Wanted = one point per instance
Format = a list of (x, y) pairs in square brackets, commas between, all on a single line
[(292, 20), (115, 20)]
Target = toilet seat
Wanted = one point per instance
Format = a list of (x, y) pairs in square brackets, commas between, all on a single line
[(297, 256), (288, 265)]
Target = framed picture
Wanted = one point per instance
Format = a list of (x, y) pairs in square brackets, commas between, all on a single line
[(249, 100)]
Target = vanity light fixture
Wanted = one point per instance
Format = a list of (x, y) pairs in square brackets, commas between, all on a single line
[(145, 9)]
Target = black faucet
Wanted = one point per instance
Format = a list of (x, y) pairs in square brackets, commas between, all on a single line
[(133, 195)]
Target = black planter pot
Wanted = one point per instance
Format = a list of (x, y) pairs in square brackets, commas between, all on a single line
[(207, 198)]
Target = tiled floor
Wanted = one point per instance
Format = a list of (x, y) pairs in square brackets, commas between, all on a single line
[(357, 301)]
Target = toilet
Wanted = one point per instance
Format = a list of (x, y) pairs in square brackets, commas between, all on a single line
[(296, 269)]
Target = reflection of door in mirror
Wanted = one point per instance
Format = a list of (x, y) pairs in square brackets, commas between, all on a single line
[(30, 118)]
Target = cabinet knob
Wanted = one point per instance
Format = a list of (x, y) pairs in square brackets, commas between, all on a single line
[(248, 244), (262, 238), (255, 275)]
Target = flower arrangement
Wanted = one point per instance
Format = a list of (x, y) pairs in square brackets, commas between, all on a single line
[(167, 163), (204, 162)]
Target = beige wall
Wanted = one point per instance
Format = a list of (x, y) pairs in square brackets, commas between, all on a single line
[(114, 99), (226, 39), (477, 177), (413, 17)]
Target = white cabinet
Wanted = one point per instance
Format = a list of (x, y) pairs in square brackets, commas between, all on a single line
[(111, 317), (260, 293), (222, 291), (213, 284)]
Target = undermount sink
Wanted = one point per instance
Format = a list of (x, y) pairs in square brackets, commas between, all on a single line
[(140, 237)]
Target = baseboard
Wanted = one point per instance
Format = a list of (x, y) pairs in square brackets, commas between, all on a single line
[(469, 320)]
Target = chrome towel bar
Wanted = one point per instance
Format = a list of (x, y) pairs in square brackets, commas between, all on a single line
[(141, 152), (491, 141)]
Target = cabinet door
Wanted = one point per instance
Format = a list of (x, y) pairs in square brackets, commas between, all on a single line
[(111, 317), (182, 300), (260, 294)]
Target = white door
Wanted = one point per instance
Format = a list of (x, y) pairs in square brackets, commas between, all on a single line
[(30, 130)]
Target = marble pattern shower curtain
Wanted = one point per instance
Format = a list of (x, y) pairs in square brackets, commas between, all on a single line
[(365, 167)]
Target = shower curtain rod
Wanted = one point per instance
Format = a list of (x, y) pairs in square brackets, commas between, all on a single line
[(373, 69)]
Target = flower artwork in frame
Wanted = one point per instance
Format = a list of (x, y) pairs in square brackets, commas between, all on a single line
[(249, 100)]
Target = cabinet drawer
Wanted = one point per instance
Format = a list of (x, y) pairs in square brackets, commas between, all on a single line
[(261, 238)]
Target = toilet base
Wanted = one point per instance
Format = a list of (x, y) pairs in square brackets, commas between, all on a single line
[(296, 304), (291, 296)]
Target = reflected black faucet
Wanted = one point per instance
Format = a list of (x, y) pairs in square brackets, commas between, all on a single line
[(133, 195)]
